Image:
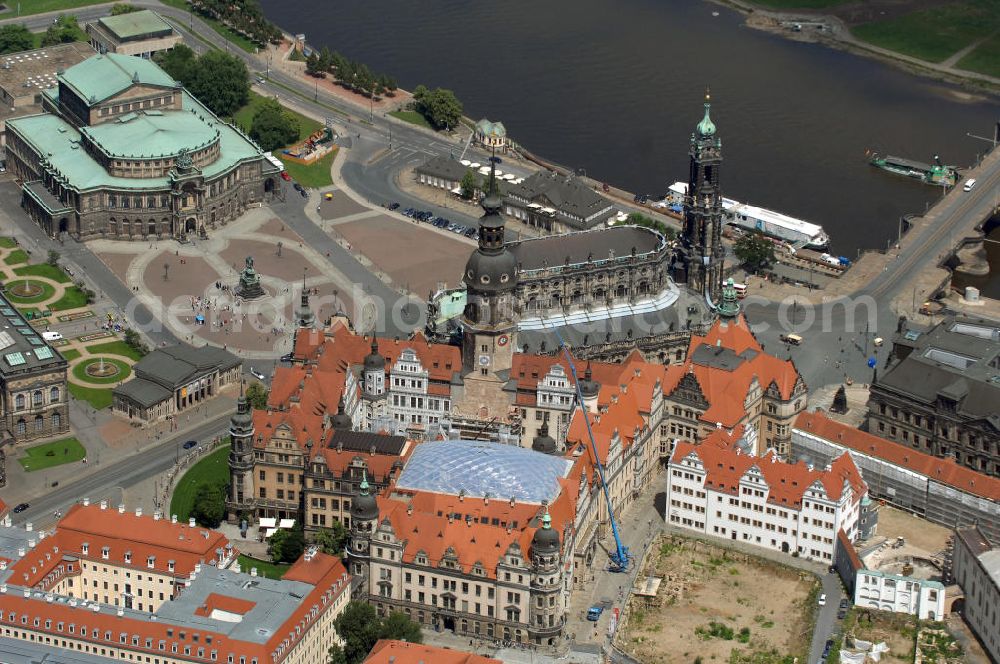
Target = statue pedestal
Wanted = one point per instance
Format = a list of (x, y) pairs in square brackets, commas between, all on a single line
[(249, 287)]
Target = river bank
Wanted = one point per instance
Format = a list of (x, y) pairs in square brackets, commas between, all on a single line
[(817, 26)]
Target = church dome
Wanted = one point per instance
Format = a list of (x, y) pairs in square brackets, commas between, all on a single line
[(342, 420), (588, 386), (706, 127), (546, 539), (364, 506), (243, 417), (543, 442), (374, 361), (491, 272)]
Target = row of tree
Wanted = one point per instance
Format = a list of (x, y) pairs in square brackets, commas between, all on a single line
[(220, 81), (440, 107), (361, 627), (243, 16), (15, 38), (351, 74)]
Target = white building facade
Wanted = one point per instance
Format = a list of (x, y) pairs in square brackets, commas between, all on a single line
[(763, 501), (922, 598)]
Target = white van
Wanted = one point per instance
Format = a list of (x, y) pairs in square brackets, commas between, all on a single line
[(969, 184), (52, 336)]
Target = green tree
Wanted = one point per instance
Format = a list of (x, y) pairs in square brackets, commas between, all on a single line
[(285, 546), (257, 395), (312, 64), (135, 342), (179, 62), (336, 655), (221, 82), (469, 184), (14, 38), (359, 626), (332, 540), (325, 59), (209, 505), (53, 257), (754, 250), (63, 31), (639, 219), (441, 108), (120, 8), (399, 627), (272, 127)]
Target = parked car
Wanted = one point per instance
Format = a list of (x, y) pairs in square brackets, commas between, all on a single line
[(822, 599), (394, 206), (285, 176), (20, 507), (259, 376), (298, 187), (305, 194), (52, 336), (469, 232), (845, 603), (191, 443), (594, 613), (288, 357), (408, 212)]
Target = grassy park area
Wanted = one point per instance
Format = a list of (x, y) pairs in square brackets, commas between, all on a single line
[(264, 568), (124, 371), (212, 469), (73, 298), (41, 6), (114, 348), (315, 175), (70, 354), (985, 58), (97, 397), (934, 34), (43, 270), (412, 117), (55, 453), (244, 117), (16, 257), (42, 291)]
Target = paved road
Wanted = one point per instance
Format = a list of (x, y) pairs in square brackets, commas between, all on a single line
[(826, 617), (152, 460)]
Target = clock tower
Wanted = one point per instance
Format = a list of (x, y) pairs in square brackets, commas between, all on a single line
[(490, 318)]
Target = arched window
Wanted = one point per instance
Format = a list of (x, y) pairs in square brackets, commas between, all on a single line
[(36, 398), (19, 402), (56, 421), (39, 423), (621, 290), (22, 427), (53, 394)]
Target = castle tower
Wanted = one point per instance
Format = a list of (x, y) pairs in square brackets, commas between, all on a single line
[(490, 278), (546, 615), (304, 314), (543, 442), (373, 394), (701, 239), (590, 389), (364, 521), (730, 305), (241, 490)]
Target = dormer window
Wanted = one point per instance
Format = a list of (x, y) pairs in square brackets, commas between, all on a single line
[(128, 556), (105, 552), (151, 562)]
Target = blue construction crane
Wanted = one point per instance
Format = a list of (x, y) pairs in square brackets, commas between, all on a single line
[(620, 557)]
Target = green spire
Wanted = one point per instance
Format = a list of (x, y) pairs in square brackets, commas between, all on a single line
[(730, 307), (364, 483), (546, 519), (706, 127)]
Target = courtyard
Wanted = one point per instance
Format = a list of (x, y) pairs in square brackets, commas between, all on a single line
[(715, 604)]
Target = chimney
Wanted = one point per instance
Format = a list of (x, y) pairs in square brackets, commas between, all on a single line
[(104, 504), (86, 501), (512, 501), (138, 511), (191, 522), (157, 516), (173, 518), (121, 508), (409, 510)]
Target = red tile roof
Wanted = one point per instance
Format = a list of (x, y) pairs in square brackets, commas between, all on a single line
[(941, 470), (224, 603), (787, 482), (402, 652)]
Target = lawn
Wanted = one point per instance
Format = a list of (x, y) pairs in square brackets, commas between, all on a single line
[(412, 117), (799, 4), (99, 398), (114, 348), (41, 6), (46, 292), (315, 175), (934, 34), (70, 354), (213, 469), (7, 243), (244, 117), (43, 270), (80, 371), (264, 568), (16, 257), (73, 298), (985, 58), (226, 33), (56, 453)]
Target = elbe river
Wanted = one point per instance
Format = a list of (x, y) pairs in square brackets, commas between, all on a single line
[(616, 87)]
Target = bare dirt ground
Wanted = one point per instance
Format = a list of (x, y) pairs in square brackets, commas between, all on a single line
[(706, 590), (917, 532), (895, 629)]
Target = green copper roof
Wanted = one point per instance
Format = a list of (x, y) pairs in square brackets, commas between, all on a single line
[(97, 78), (154, 133), (59, 143), (730, 307), (706, 127), (135, 24)]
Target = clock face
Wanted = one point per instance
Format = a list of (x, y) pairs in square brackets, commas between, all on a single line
[(502, 340), (484, 360)]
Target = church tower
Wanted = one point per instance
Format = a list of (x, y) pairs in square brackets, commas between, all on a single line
[(241, 491), (703, 254), (489, 319)]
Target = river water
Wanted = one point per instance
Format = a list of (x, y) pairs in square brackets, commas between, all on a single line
[(616, 87)]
